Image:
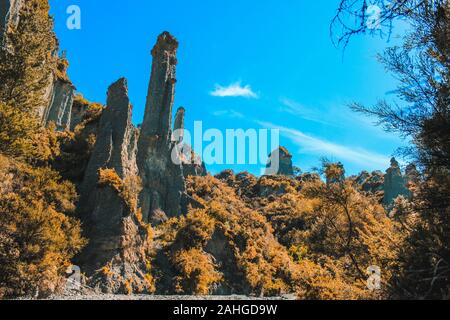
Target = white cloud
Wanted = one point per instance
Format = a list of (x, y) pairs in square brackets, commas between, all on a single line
[(234, 90), (310, 144), (228, 113)]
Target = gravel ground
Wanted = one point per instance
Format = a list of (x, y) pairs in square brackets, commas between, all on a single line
[(153, 297)]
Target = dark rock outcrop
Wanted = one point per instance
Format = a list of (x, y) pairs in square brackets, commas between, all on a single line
[(284, 160), (115, 147), (4, 9), (370, 182), (162, 177), (9, 15), (308, 177), (394, 184), (117, 239)]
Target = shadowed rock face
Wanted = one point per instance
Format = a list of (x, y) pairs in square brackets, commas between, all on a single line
[(79, 109), (370, 182), (115, 147), (394, 184), (162, 179), (161, 91), (9, 15), (4, 8), (285, 162), (115, 236)]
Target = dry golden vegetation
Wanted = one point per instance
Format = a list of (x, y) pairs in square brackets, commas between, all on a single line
[(313, 238), (38, 236)]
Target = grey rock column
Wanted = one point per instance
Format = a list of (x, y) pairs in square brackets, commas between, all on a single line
[(114, 233), (163, 180), (115, 147)]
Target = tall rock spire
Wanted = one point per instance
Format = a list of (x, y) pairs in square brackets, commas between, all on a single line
[(117, 238), (116, 141), (394, 184), (161, 90), (162, 178), (178, 125), (114, 148)]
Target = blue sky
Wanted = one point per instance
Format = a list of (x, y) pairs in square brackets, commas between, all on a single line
[(242, 64)]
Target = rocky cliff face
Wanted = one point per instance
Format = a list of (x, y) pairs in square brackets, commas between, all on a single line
[(387, 187), (57, 91), (60, 108), (9, 15)]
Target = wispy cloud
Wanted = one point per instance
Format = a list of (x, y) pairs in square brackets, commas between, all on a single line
[(317, 146), (336, 115), (228, 113), (234, 90), (297, 109)]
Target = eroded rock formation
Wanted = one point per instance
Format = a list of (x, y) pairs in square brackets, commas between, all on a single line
[(59, 110), (284, 159), (370, 182), (137, 163), (48, 78), (117, 239), (394, 184), (162, 178), (178, 126), (57, 90), (115, 147)]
